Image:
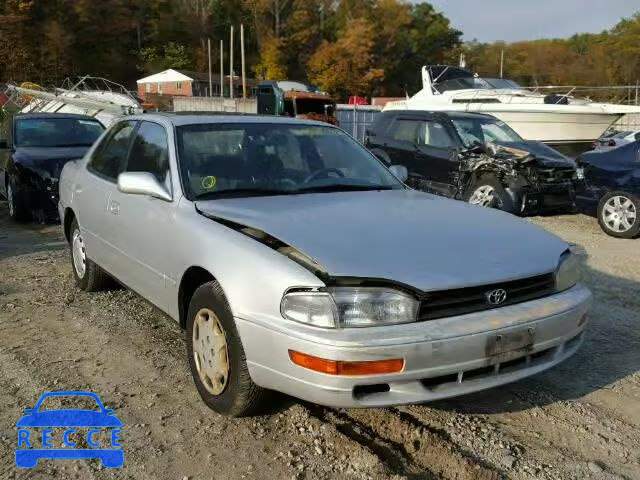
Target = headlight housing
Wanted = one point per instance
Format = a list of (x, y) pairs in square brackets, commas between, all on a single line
[(350, 307), (568, 272)]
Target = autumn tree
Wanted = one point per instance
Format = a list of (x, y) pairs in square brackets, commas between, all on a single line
[(345, 67)]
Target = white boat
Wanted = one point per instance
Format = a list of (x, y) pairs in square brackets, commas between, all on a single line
[(552, 119), (93, 96)]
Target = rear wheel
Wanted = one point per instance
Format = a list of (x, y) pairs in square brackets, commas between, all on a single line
[(17, 208), (618, 214), (89, 276), (216, 356), (487, 191)]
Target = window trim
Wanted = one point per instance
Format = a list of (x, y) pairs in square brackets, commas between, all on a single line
[(135, 134), (99, 148), (446, 130)]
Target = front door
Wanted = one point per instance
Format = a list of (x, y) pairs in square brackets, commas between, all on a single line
[(143, 223)]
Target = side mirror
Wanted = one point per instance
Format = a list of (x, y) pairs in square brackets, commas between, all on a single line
[(29, 411), (4, 145), (400, 171), (142, 183), (109, 411)]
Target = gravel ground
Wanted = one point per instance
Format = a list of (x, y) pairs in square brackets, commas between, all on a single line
[(577, 421)]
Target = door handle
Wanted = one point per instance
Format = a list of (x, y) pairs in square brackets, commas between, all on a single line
[(114, 207)]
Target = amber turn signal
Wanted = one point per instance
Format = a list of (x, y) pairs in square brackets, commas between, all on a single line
[(339, 367)]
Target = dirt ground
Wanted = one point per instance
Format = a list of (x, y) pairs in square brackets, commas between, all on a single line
[(579, 420)]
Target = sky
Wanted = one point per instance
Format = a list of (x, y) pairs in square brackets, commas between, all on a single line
[(510, 20)]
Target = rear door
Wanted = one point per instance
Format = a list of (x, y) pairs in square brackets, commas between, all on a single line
[(143, 223), (435, 156), (93, 190)]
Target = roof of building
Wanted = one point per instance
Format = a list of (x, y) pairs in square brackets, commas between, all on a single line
[(173, 75)]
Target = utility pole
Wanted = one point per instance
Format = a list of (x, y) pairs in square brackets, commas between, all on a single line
[(501, 62), (244, 74), (231, 65), (322, 19), (277, 17), (221, 69), (209, 57)]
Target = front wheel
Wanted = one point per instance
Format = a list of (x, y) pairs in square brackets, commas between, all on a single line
[(618, 214), (216, 356), (487, 191), (17, 209)]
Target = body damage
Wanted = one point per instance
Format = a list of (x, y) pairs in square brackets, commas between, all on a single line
[(522, 174), (610, 170)]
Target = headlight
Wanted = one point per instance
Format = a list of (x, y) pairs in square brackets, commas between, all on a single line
[(568, 272), (350, 307)]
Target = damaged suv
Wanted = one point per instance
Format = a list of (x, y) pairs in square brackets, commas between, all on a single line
[(298, 262), (476, 158)]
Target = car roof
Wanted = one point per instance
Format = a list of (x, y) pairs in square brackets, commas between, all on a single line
[(439, 113), (55, 116), (198, 118)]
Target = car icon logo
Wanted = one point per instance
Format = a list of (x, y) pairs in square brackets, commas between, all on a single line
[(496, 297), (98, 423)]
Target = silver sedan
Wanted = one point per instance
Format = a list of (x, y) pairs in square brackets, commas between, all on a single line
[(297, 262)]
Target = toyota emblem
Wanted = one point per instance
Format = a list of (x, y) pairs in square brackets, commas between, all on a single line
[(496, 297)]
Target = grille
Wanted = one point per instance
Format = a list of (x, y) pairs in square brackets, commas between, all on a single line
[(556, 200), (555, 175), (541, 357), (448, 303)]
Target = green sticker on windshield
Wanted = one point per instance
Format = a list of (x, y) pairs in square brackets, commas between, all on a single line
[(209, 183)]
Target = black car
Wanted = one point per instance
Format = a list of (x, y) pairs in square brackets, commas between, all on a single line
[(32, 156), (476, 158), (611, 188)]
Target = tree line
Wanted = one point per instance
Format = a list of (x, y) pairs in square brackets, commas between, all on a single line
[(347, 47)]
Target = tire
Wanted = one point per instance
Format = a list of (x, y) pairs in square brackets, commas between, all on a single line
[(619, 214), (17, 209), (487, 191), (92, 278), (236, 395)]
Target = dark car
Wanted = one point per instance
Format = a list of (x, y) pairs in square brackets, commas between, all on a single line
[(611, 188), (476, 158), (32, 157)]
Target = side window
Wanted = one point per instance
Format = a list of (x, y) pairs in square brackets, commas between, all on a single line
[(150, 151), (108, 158), (434, 134), (404, 130)]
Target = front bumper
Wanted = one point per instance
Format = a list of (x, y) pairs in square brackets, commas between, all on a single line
[(443, 358), (41, 199), (544, 198)]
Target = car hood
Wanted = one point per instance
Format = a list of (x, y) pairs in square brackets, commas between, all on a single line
[(545, 155), (413, 238), (69, 418), (47, 161)]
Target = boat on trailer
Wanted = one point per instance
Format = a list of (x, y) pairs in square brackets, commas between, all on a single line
[(559, 120)]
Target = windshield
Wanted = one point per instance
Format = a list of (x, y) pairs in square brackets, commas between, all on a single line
[(65, 402), (245, 159), (475, 83), (57, 132), (474, 131)]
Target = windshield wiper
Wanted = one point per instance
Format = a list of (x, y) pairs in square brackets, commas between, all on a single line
[(341, 188), (241, 192)]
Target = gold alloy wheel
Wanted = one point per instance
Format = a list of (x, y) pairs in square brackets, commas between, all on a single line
[(210, 351)]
